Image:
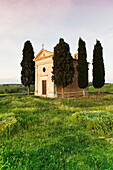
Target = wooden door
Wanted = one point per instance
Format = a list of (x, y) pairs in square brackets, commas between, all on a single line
[(44, 87)]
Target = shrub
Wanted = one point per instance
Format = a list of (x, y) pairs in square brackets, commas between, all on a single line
[(1, 91), (13, 90), (100, 122)]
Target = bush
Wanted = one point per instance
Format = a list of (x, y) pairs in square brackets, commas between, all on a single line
[(1, 91), (100, 122), (13, 90)]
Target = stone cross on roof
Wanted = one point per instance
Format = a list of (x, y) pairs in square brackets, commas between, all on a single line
[(43, 46)]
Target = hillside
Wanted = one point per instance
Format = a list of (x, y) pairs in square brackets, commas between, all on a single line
[(43, 133)]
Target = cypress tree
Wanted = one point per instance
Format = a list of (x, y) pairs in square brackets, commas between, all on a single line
[(63, 70), (98, 67), (82, 66), (27, 64)]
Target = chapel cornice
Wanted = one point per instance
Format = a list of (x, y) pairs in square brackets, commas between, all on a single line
[(43, 54)]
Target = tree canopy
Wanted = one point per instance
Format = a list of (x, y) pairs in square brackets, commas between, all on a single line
[(27, 64), (98, 66), (82, 65), (63, 70)]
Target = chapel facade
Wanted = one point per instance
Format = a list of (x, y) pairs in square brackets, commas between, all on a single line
[(44, 86)]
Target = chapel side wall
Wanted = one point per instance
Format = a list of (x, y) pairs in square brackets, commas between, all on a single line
[(36, 79), (72, 89)]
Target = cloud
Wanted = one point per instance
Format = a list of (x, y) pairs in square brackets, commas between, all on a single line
[(8, 80), (33, 8), (45, 21), (28, 16)]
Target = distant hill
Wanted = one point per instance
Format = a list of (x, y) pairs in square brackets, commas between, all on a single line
[(14, 88), (19, 88)]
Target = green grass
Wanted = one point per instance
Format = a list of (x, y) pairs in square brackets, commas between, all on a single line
[(43, 133), (107, 88)]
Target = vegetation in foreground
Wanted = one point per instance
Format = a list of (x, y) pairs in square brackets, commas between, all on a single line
[(43, 133)]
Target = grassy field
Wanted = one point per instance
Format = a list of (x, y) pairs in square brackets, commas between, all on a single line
[(107, 88), (42, 133), (14, 88), (19, 88)]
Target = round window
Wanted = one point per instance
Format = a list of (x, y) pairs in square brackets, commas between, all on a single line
[(44, 69)]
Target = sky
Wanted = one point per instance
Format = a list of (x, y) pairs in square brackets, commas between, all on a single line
[(46, 21)]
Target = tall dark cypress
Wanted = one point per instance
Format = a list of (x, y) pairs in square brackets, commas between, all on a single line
[(98, 67), (63, 70), (82, 66), (28, 66)]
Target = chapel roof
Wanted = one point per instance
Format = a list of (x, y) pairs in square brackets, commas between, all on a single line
[(43, 54)]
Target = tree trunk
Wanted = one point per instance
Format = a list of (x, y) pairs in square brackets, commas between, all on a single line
[(83, 92), (62, 92), (28, 90), (98, 91)]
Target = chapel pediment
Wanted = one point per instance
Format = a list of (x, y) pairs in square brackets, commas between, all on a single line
[(43, 54)]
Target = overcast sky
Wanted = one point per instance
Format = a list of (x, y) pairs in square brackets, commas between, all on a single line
[(45, 21)]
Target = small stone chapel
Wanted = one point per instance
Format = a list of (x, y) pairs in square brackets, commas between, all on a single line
[(43, 73)]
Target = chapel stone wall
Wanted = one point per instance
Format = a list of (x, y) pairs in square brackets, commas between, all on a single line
[(72, 89)]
